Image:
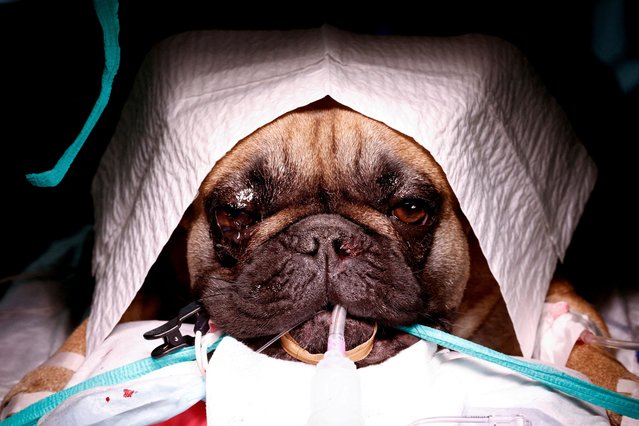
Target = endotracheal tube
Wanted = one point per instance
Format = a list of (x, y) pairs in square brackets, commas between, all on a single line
[(335, 389)]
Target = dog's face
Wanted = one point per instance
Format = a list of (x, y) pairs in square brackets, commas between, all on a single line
[(321, 207)]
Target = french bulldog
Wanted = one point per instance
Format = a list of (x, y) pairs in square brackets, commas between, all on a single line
[(323, 207)]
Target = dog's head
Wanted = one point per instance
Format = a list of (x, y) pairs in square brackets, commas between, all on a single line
[(325, 206)]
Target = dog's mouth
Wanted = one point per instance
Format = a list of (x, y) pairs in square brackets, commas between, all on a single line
[(366, 341)]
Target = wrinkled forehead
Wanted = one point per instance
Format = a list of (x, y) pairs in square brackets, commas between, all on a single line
[(329, 146)]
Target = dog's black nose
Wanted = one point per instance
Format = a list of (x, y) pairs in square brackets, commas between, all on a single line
[(321, 241), (329, 236), (337, 244)]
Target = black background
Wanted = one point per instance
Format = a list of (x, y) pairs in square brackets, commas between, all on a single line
[(52, 61)]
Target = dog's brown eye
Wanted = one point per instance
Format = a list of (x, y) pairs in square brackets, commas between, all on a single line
[(411, 212), (233, 221)]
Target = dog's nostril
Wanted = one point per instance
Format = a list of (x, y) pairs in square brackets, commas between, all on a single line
[(315, 246), (345, 248)]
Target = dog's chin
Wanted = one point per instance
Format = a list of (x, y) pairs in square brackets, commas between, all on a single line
[(312, 335)]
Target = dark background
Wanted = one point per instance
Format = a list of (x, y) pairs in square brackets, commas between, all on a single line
[(52, 61)]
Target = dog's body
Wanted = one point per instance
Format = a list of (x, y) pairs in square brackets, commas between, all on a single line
[(324, 206)]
